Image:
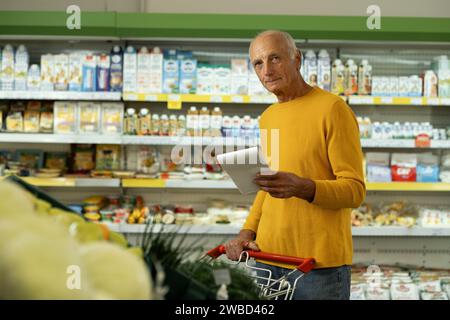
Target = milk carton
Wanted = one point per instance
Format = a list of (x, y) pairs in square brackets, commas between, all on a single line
[(393, 86), (188, 75), (205, 78), (34, 78), (47, 72), (442, 69), (403, 86), (7, 68), (75, 71), (310, 68), (21, 68), (430, 84), (143, 70), (116, 69), (89, 74), (415, 86), (324, 70), (222, 79), (337, 77), (61, 71), (239, 76), (129, 70), (364, 78), (103, 65), (171, 72), (156, 70)]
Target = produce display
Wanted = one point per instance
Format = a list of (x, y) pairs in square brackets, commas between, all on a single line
[(42, 246)]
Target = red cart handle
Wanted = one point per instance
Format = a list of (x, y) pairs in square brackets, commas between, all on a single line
[(303, 264)]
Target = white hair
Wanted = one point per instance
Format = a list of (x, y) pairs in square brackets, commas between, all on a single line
[(289, 40)]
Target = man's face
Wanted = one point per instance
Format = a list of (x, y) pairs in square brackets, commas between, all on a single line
[(276, 69)]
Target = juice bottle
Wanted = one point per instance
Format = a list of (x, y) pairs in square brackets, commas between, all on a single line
[(205, 121), (181, 130), (132, 121), (173, 125), (337, 77), (216, 122), (192, 124), (155, 125), (164, 128)]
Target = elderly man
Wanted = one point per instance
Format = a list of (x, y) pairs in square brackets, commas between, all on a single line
[(304, 209)]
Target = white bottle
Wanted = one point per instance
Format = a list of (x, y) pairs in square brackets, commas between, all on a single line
[(7, 72), (311, 68), (247, 130), (236, 126), (227, 125)]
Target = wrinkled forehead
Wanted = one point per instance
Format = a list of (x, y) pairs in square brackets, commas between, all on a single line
[(267, 45)]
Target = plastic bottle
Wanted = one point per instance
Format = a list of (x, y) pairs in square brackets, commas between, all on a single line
[(132, 121), (164, 127), (205, 121), (247, 130), (21, 68), (216, 122), (337, 77), (351, 78), (181, 130), (192, 124), (145, 122), (236, 126), (156, 125), (173, 125), (310, 68), (324, 70), (227, 125)]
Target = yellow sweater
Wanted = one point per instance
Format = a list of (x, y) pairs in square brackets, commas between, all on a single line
[(319, 140)]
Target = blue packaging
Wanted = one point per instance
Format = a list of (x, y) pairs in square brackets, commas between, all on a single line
[(116, 69), (427, 173), (89, 78)]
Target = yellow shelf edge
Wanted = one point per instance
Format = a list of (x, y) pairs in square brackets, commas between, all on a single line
[(407, 186), (143, 183)]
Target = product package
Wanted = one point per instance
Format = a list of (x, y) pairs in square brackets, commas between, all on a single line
[(156, 70), (56, 160), (89, 74), (403, 167), (46, 118), (188, 75), (324, 70), (148, 160), (222, 80), (116, 70), (205, 78), (89, 117), (427, 168), (65, 117), (47, 72), (82, 158), (130, 70), (112, 117), (14, 118), (143, 70), (103, 65), (32, 159), (21, 68), (378, 167), (7, 68), (31, 117), (34, 78), (171, 72), (239, 76), (107, 157), (75, 71), (61, 72)]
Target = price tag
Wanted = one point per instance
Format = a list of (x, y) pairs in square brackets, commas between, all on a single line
[(386, 100), (174, 105), (416, 101), (445, 101), (151, 97), (237, 98), (131, 97), (433, 101), (216, 99), (174, 97), (423, 141)]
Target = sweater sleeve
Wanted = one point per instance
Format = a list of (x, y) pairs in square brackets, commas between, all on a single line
[(343, 145), (254, 216)]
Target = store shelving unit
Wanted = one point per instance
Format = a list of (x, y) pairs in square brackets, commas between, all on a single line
[(215, 32)]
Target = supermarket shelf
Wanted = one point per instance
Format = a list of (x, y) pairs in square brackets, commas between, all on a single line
[(198, 98), (211, 184), (407, 186), (60, 95), (399, 101), (60, 138), (234, 229), (168, 141), (402, 143)]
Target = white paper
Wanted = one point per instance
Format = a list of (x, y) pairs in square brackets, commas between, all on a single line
[(242, 167)]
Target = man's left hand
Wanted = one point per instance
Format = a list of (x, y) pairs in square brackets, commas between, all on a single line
[(286, 185)]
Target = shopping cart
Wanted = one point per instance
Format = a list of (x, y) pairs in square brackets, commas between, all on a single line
[(270, 288)]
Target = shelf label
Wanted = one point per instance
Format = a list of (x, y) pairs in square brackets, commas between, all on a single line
[(433, 101), (174, 105), (445, 101), (416, 101), (151, 97), (386, 100), (131, 96), (216, 99), (237, 98), (174, 97)]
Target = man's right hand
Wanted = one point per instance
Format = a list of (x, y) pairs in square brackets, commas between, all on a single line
[(235, 247)]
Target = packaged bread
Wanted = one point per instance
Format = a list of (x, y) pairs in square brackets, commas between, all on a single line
[(112, 118), (14, 119), (46, 118), (89, 117)]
